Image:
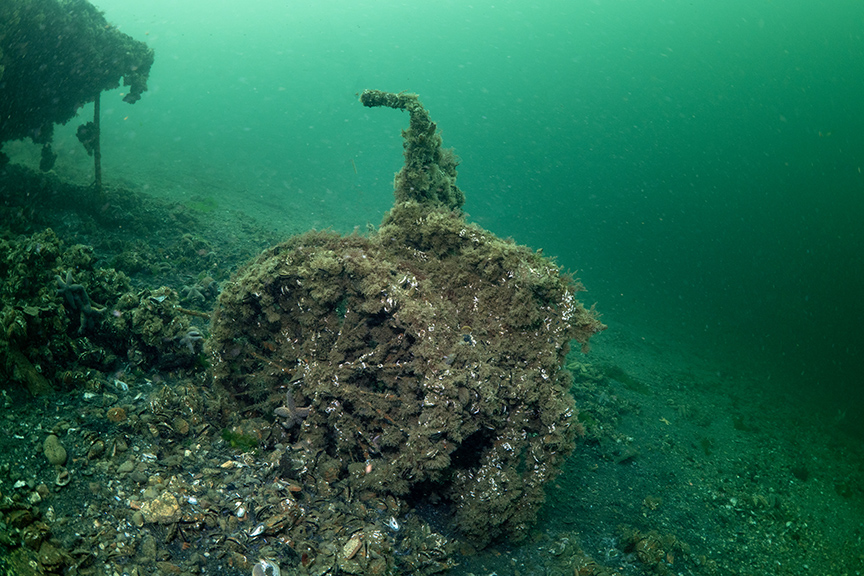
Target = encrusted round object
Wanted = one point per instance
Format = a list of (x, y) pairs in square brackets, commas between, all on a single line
[(431, 351)]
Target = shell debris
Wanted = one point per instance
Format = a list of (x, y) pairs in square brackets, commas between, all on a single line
[(350, 549), (266, 567)]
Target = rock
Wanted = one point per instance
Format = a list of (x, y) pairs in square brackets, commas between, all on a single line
[(181, 426), (116, 414), (32, 536), (19, 518), (120, 445), (96, 450), (168, 567), (51, 557), (162, 510), (54, 451), (139, 477), (147, 550)]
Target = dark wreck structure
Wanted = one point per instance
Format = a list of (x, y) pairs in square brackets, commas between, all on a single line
[(420, 363), (55, 57)]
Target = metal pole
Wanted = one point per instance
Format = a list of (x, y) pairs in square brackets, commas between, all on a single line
[(97, 150)]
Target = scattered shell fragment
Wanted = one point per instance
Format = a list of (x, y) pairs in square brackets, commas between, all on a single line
[(62, 478), (352, 546), (266, 568)]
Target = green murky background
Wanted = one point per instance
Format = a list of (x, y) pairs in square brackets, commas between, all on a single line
[(699, 163)]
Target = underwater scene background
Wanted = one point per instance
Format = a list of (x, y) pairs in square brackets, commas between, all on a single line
[(697, 165)]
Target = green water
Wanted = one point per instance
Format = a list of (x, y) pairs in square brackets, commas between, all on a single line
[(699, 163)]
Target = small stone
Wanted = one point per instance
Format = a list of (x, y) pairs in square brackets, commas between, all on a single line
[(378, 566), (138, 519), (172, 461), (43, 490), (54, 451), (139, 477), (168, 567), (50, 557), (126, 467), (116, 414), (181, 426), (147, 550), (120, 445)]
